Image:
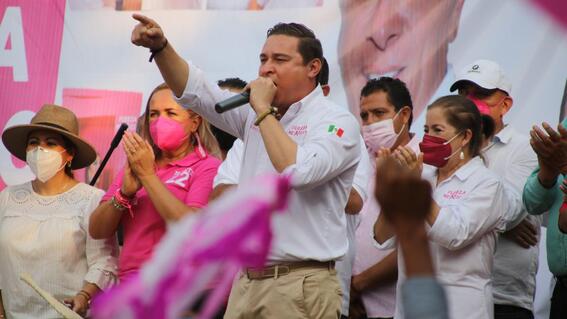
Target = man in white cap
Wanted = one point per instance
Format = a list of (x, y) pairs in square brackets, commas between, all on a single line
[(510, 156)]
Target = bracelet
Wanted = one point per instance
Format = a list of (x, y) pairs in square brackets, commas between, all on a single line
[(121, 202), (154, 52), (271, 111), (117, 205), (86, 293)]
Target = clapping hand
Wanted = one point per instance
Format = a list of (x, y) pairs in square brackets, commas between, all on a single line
[(550, 147), (403, 196)]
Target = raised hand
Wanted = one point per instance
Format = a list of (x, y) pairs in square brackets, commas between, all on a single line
[(262, 93), (408, 159), (147, 33), (403, 196), (140, 154), (550, 147), (130, 183)]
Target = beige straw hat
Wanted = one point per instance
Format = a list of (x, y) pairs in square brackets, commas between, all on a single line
[(53, 118)]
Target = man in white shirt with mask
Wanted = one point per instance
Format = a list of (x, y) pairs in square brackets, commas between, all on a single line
[(510, 156), (386, 112)]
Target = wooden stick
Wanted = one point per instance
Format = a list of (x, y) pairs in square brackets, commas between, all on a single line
[(58, 306)]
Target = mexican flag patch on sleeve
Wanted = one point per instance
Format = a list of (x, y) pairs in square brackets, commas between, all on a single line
[(333, 129)]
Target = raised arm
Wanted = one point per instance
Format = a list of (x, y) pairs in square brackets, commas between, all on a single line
[(173, 68)]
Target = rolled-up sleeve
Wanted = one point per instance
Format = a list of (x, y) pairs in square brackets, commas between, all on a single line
[(331, 147), (362, 174), (462, 223), (102, 255), (538, 199), (390, 243), (201, 96)]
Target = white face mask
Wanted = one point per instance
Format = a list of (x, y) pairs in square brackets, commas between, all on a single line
[(44, 163), (380, 134)]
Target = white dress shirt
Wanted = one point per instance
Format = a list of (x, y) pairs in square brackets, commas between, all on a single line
[(511, 157), (328, 151), (229, 172), (379, 302), (47, 237), (463, 238)]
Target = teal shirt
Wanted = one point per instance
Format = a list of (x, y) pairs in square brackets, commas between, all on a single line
[(538, 200)]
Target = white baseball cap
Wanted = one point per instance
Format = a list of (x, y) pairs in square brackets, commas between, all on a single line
[(484, 73)]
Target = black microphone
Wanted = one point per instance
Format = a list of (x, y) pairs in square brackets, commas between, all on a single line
[(232, 102), (115, 141)]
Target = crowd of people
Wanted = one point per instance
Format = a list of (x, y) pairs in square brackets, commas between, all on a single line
[(380, 223)]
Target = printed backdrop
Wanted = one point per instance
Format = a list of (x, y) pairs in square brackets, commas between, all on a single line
[(78, 53)]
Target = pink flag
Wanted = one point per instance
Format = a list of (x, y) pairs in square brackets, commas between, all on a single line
[(232, 233)]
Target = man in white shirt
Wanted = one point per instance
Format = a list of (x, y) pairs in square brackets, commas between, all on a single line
[(510, 156), (229, 172), (314, 140), (386, 113)]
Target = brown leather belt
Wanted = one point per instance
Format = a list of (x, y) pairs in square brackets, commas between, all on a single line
[(277, 270)]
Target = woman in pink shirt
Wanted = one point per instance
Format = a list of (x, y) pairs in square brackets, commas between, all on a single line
[(169, 173)]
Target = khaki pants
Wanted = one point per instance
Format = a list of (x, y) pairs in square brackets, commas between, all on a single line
[(303, 293)]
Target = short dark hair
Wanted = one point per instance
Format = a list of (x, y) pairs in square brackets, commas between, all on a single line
[(462, 114), (232, 83), (396, 91), (309, 46), (324, 73)]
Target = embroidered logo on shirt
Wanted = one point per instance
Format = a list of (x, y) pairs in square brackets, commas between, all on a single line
[(454, 194), (333, 129), (180, 177), (297, 130)]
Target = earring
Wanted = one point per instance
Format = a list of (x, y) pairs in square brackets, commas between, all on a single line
[(462, 155)]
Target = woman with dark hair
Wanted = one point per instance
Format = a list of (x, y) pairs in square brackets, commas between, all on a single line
[(467, 209), (44, 222), (168, 174)]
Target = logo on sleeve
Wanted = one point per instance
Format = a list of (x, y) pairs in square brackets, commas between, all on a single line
[(333, 129)]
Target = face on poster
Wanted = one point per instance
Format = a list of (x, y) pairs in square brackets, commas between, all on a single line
[(78, 53)]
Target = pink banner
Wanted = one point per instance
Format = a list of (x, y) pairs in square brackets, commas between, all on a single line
[(30, 45)]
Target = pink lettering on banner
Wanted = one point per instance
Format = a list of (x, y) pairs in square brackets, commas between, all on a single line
[(30, 46), (100, 114), (458, 194)]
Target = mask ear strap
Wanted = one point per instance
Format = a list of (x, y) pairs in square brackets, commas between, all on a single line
[(200, 150)]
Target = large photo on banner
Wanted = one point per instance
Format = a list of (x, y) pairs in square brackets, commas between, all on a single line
[(78, 53)]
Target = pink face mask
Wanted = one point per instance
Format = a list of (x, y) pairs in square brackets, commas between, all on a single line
[(483, 108), (380, 135), (167, 134), (436, 150)]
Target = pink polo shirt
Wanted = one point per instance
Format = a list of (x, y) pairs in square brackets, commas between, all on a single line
[(189, 179)]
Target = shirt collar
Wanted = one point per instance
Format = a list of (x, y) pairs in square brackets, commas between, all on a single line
[(188, 160), (294, 109), (505, 135), (466, 170)]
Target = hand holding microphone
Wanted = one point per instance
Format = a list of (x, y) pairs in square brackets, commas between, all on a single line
[(259, 93)]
